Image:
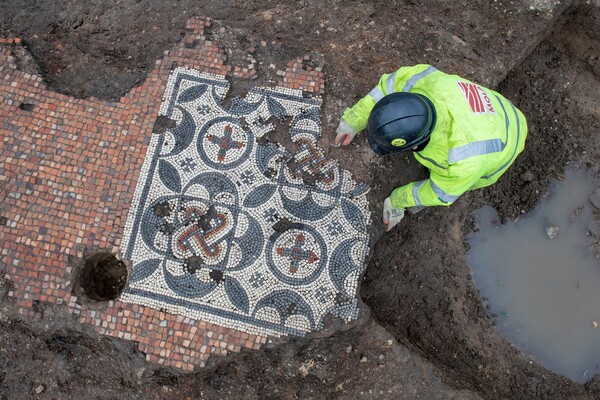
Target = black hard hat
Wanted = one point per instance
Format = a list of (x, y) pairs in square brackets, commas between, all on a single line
[(400, 121)]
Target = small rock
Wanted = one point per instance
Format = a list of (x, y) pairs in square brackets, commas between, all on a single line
[(594, 324), (458, 40), (595, 199), (552, 231), (267, 15), (527, 176), (306, 367), (364, 359), (40, 389), (593, 228)]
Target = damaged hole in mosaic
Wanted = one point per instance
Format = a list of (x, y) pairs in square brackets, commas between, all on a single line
[(26, 106), (102, 277)]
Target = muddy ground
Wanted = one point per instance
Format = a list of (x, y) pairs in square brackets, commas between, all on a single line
[(428, 334)]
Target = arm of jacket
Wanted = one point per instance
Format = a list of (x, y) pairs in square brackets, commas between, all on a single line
[(358, 115), (438, 190)]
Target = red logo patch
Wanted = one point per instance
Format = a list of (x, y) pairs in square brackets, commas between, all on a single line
[(477, 98)]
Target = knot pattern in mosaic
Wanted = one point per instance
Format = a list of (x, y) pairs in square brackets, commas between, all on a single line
[(231, 228)]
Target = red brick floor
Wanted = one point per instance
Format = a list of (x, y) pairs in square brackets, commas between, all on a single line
[(68, 169)]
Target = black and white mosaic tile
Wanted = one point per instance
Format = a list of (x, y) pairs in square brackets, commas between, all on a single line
[(235, 230)]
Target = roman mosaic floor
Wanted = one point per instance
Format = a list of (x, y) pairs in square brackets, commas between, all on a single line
[(230, 237)]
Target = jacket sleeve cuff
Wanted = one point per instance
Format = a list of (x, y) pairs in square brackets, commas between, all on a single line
[(402, 197), (353, 119)]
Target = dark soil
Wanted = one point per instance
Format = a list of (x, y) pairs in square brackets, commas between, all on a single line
[(417, 285), (358, 363), (162, 209), (102, 49), (65, 364), (102, 277)]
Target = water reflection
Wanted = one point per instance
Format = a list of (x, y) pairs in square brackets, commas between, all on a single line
[(545, 292)]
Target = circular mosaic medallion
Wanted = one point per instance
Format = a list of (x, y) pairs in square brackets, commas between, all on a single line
[(296, 256), (223, 143)]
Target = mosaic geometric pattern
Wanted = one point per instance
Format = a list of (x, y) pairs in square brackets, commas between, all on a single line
[(230, 228)]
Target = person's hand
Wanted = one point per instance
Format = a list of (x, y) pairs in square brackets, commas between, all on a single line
[(391, 216), (344, 134)]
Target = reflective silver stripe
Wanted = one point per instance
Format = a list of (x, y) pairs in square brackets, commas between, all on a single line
[(413, 79), (475, 149), (376, 94), (516, 141), (443, 196), (429, 159), (506, 120), (389, 83), (415, 192)]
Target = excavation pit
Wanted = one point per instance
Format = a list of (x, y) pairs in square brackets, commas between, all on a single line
[(102, 277)]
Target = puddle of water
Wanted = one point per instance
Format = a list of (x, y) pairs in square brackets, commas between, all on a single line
[(545, 292)]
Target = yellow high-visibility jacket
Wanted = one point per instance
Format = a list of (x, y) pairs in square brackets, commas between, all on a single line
[(477, 135)]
